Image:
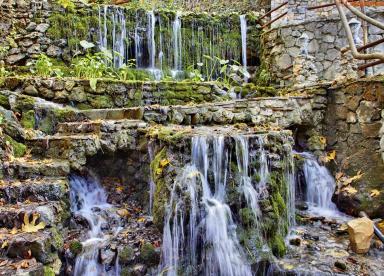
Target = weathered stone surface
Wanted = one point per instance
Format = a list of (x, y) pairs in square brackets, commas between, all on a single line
[(367, 112), (360, 234)]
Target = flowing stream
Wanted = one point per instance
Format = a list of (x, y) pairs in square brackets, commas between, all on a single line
[(89, 200)]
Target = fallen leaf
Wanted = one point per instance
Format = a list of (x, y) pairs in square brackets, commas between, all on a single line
[(329, 156), (4, 245), (123, 213), (375, 193), (164, 163), (141, 219), (350, 190), (13, 231), (32, 227)]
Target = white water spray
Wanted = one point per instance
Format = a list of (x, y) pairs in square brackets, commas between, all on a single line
[(243, 28), (89, 200)]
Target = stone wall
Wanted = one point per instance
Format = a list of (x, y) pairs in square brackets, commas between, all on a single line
[(352, 122), (110, 93), (326, 39)]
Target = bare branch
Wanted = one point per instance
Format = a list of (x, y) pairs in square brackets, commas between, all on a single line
[(351, 41), (363, 16)]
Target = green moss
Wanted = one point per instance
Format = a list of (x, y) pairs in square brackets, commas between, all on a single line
[(58, 240), (48, 271), (19, 149), (161, 191), (28, 119), (278, 246), (148, 254), (126, 254), (75, 247), (101, 101), (170, 135), (247, 217), (24, 103), (4, 102)]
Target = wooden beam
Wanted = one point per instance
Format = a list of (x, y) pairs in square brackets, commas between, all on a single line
[(369, 45)]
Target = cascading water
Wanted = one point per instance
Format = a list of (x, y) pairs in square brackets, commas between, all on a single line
[(176, 37), (210, 235), (320, 186), (161, 45), (243, 28), (89, 200)]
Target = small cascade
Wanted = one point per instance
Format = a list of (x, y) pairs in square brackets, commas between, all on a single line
[(243, 28), (176, 38), (151, 183), (151, 21), (89, 200), (320, 186), (250, 193), (210, 235)]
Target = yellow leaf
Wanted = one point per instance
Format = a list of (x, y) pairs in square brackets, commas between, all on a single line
[(328, 157), (119, 189), (4, 245), (159, 171), (164, 163), (350, 190), (374, 193), (13, 231), (349, 180), (32, 227), (323, 140), (141, 219), (123, 212)]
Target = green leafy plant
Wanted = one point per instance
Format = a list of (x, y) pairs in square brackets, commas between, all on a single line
[(44, 67), (195, 74), (67, 4), (93, 66), (125, 72), (3, 74)]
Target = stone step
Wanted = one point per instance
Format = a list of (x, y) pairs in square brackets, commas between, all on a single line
[(98, 126), (34, 190), (61, 146), (40, 245), (28, 169), (51, 213)]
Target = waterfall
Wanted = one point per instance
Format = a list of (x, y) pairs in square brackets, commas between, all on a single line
[(210, 220), (243, 27), (89, 200), (320, 185), (151, 38), (151, 183), (246, 187), (138, 44), (176, 37)]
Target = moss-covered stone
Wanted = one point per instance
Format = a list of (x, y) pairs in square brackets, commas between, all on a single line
[(161, 191), (19, 149), (126, 255), (149, 255), (278, 246), (28, 119), (4, 101), (75, 247)]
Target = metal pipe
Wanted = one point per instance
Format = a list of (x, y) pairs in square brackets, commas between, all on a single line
[(326, 5), (275, 19), (275, 9), (377, 231), (369, 45), (367, 65)]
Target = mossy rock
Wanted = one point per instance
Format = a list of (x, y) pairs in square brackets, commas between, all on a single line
[(149, 255), (28, 119), (278, 246), (19, 149), (4, 101), (126, 255), (75, 247)]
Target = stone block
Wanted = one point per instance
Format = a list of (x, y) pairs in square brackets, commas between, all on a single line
[(360, 234)]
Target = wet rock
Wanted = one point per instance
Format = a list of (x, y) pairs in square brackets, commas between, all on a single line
[(149, 254), (54, 51), (42, 28), (295, 241), (302, 206), (360, 234), (126, 255), (340, 265), (75, 247)]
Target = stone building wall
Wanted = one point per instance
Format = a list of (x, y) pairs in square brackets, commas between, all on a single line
[(353, 119), (326, 39)]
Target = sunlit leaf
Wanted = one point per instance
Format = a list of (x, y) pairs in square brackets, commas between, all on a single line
[(375, 193), (31, 227)]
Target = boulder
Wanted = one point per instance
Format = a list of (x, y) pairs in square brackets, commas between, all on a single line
[(360, 234)]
